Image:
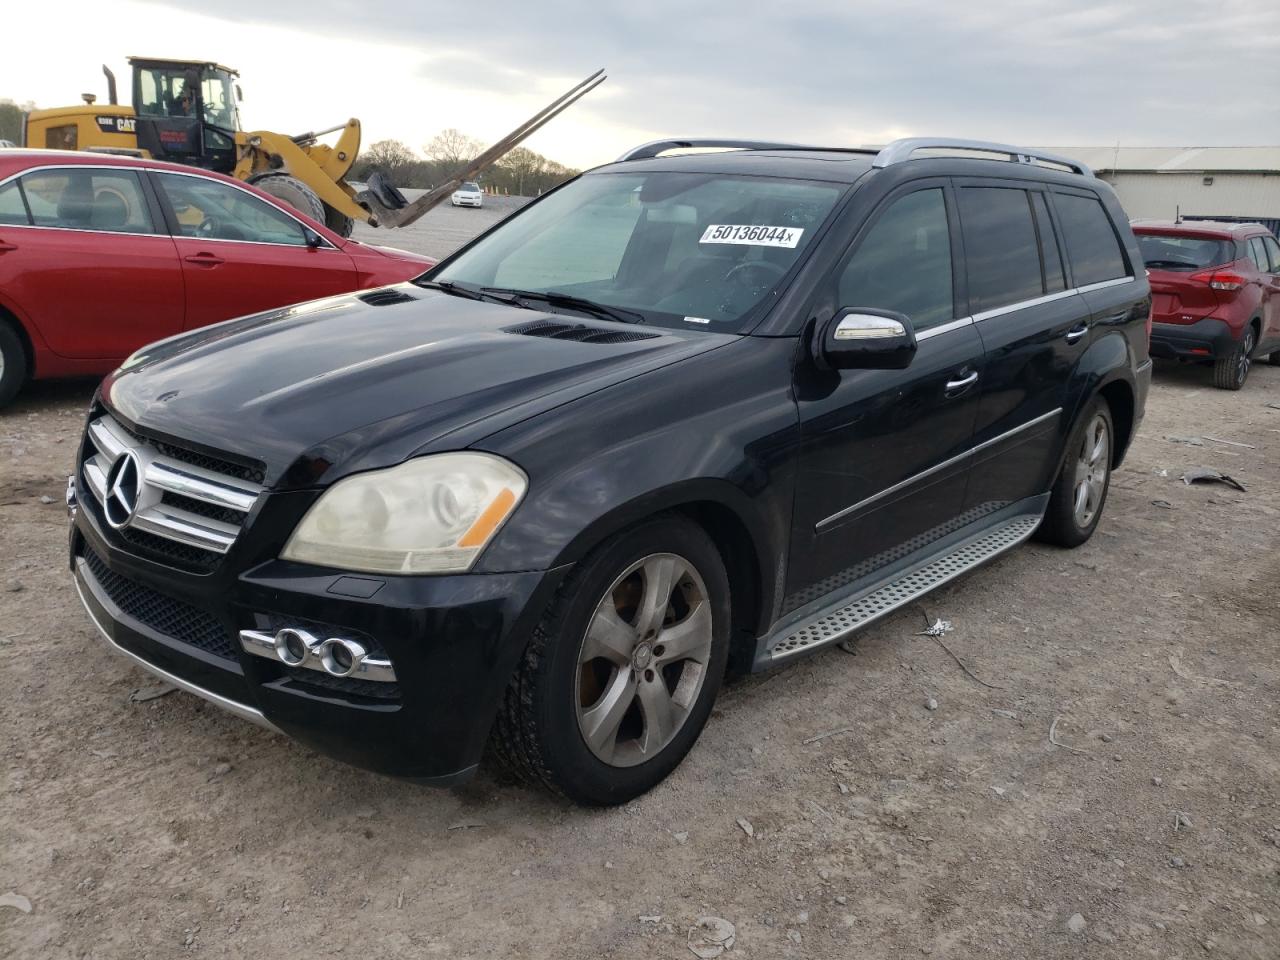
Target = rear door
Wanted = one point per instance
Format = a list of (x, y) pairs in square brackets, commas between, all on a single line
[(882, 468), (242, 255), (1034, 330), (85, 255), (1266, 254)]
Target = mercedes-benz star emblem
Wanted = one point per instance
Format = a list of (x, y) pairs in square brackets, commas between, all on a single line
[(123, 483)]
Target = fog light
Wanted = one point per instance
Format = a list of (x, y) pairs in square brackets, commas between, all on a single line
[(341, 657), (293, 646)]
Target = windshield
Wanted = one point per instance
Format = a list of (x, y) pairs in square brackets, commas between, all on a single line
[(1184, 253), (470, 187), (676, 249)]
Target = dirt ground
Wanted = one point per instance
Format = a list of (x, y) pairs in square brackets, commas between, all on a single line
[(882, 828), (442, 230)]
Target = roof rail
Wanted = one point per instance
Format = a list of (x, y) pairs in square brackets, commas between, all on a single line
[(901, 150), (655, 147)]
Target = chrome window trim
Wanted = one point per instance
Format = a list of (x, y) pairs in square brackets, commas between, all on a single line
[(237, 185), (1020, 305), (944, 328), (902, 484)]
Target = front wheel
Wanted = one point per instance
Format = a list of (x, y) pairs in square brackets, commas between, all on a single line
[(620, 676), (1080, 492), (1274, 358)]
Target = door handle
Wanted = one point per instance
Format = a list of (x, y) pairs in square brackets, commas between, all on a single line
[(1075, 333), (957, 387), (204, 259)]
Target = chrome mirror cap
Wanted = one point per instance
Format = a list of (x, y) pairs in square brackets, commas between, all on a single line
[(865, 326)]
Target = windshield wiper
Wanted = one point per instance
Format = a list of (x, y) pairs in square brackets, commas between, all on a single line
[(453, 289), (569, 301)]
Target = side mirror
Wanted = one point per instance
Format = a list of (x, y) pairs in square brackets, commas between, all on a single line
[(239, 95), (864, 338), (314, 240)]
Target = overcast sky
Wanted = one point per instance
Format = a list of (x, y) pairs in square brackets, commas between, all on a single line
[(847, 72)]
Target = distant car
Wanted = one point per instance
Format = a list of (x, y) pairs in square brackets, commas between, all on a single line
[(468, 195), (1215, 293), (100, 255)]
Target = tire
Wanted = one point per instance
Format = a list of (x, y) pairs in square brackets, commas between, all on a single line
[(1230, 373), (338, 222), (541, 732), (293, 192), (13, 363), (1066, 522), (1274, 358)]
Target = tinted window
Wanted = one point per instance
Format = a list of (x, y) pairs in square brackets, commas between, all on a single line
[(1054, 279), (1091, 242), (904, 262), (12, 209), (1259, 254), (88, 199), (1273, 250), (217, 211), (1184, 253), (1001, 251)]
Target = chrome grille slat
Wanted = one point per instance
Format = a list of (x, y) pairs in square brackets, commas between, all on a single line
[(162, 477), (200, 484), (189, 528)]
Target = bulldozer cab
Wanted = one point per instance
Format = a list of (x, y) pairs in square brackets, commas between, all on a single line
[(186, 111)]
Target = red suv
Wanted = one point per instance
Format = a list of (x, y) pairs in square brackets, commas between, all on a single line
[(101, 254), (1215, 294)]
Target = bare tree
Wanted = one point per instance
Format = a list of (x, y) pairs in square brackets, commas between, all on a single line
[(11, 119), (524, 167), (389, 155), (452, 148)]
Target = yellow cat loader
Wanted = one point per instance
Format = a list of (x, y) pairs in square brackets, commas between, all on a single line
[(187, 111)]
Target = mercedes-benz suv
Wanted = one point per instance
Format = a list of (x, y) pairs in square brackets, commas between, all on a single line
[(684, 415)]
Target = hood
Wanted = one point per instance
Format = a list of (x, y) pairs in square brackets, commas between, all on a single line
[(361, 381)]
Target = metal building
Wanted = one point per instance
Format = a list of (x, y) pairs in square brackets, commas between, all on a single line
[(1218, 183)]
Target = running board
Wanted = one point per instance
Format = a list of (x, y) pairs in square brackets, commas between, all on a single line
[(836, 624)]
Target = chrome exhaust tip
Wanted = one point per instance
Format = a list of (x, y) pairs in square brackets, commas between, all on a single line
[(341, 658), (294, 646)]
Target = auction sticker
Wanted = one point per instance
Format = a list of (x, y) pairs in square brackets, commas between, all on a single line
[(752, 235)]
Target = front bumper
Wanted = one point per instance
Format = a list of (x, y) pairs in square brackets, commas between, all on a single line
[(1206, 339), (454, 642)]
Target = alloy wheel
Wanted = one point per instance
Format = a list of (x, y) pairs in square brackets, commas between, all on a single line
[(1243, 360), (643, 660), (1092, 465)]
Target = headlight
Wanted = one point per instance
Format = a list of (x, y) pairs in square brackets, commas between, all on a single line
[(430, 515)]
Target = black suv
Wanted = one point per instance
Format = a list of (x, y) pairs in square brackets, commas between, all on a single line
[(683, 415)]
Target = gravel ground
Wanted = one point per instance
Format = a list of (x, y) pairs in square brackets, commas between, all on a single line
[(879, 827)]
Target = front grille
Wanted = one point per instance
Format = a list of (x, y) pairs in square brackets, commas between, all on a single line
[(165, 615), (172, 504)]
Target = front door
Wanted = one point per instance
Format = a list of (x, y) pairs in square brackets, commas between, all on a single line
[(87, 262), (242, 255), (882, 468)]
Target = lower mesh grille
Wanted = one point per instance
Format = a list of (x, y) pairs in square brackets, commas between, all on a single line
[(165, 615)]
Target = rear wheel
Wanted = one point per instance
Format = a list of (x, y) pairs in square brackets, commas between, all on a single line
[(338, 222), (13, 363), (292, 191), (620, 676), (1230, 373), (1080, 492)]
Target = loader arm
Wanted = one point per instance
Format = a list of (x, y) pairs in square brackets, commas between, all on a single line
[(319, 166), (385, 216)]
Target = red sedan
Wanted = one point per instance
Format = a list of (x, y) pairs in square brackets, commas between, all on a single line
[(101, 254)]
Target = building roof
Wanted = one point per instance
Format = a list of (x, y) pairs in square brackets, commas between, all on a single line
[(1176, 159)]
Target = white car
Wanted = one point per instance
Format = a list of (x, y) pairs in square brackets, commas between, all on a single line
[(468, 195)]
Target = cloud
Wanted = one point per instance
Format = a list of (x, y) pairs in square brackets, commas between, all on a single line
[(1179, 72)]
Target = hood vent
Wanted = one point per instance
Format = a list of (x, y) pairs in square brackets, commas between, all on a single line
[(385, 297), (577, 331)]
